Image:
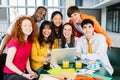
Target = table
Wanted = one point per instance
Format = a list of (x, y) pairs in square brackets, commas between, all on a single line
[(102, 73)]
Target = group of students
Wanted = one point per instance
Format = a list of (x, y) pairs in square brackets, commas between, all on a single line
[(29, 46)]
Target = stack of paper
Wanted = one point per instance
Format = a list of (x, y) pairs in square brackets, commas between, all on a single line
[(59, 71)]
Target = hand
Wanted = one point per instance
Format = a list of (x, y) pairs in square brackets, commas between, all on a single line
[(47, 59), (29, 76), (78, 55), (109, 47), (34, 74)]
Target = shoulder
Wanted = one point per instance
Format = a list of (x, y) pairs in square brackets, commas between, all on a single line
[(99, 36), (76, 38), (82, 38), (13, 42), (35, 42), (84, 16)]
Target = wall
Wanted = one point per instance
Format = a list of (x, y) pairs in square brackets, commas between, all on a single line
[(68, 4), (93, 12), (103, 18), (3, 21), (3, 2), (87, 3), (3, 13)]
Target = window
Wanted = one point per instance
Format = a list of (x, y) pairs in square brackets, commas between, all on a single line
[(113, 18), (0, 2), (27, 7), (79, 2)]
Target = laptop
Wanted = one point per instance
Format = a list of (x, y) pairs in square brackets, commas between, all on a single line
[(58, 55)]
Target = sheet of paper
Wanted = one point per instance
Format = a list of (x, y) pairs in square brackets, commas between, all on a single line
[(47, 77)]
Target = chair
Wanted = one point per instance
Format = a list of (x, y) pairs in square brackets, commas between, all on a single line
[(114, 56), (2, 63)]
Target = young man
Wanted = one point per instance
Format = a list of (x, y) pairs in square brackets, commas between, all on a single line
[(93, 46), (76, 18), (38, 16)]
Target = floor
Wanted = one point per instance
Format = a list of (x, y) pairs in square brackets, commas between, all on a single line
[(115, 37)]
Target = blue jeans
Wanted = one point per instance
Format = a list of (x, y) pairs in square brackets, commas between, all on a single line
[(39, 70), (14, 77)]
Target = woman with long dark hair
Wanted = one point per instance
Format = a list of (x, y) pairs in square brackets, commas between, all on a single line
[(57, 20), (41, 49)]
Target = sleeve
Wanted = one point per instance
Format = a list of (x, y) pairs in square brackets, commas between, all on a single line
[(35, 53), (78, 46), (13, 42), (99, 29), (76, 40), (102, 50)]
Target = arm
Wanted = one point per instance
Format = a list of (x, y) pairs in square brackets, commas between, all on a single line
[(11, 66), (5, 40), (78, 48), (102, 54), (100, 49), (28, 66), (30, 70), (9, 61), (36, 53)]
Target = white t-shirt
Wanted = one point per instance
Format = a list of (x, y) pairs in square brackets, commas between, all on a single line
[(76, 39), (79, 28)]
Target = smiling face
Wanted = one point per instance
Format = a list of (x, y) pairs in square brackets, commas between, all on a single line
[(46, 31), (88, 30), (26, 27), (67, 31), (57, 20), (76, 18), (40, 14)]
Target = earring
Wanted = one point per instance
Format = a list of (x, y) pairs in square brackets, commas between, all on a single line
[(93, 33)]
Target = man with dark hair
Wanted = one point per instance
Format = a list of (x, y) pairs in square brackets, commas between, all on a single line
[(39, 14), (92, 46), (76, 18)]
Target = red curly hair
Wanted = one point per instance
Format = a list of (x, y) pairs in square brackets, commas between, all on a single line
[(17, 31)]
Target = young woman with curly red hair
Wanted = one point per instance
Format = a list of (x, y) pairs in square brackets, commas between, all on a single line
[(19, 47)]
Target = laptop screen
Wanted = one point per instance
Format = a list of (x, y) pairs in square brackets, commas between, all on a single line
[(58, 55)]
